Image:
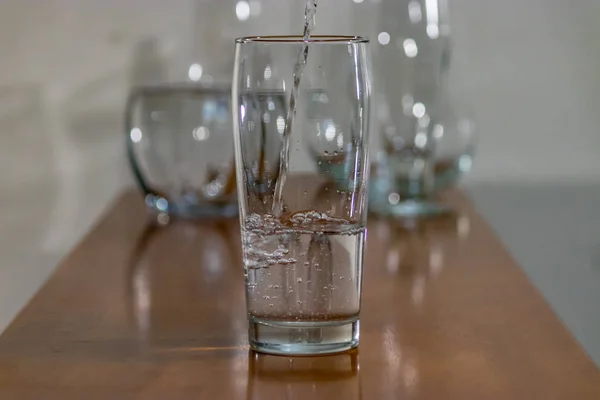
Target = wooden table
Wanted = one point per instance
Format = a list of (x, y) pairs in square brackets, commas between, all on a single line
[(137, 311)]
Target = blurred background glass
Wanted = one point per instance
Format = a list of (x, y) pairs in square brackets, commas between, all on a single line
[(180, 148), (414, 158), (528, 71)]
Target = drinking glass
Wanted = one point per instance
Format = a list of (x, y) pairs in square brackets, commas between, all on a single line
[(302, 253), (180, 149)]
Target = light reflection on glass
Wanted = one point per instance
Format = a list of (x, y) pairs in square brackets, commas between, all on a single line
[(418, 110), (163, 219), (268, 72), (280, 124), (330, 132), (195, 72), (410, 48), (135, 135), (242, 10), (433, 30), (414, 12), (162, 204), (421, 140), (201, 133), (424, 121), (383, 38), (340, 140), (465, 163), (438, 131)]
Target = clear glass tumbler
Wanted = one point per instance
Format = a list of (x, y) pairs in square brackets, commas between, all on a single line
[(180, 149), (303, 250)]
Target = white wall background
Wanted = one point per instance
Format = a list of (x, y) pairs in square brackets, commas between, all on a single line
[(530, 70)]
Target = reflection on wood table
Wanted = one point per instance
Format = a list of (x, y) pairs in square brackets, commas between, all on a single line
[(139, 311)]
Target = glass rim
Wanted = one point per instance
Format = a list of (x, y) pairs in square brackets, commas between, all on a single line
[(314, 39)]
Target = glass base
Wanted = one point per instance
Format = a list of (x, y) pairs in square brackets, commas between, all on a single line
[(411, 208), (302, 338)]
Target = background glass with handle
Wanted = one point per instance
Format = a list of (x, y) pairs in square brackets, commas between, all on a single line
[(180, 148)]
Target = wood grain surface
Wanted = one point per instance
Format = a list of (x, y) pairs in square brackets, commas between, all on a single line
[(146, 312)]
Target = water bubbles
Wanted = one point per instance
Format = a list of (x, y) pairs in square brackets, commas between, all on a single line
[(316, 286)]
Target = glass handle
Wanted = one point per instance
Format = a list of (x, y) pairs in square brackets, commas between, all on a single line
[(130, 131)]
